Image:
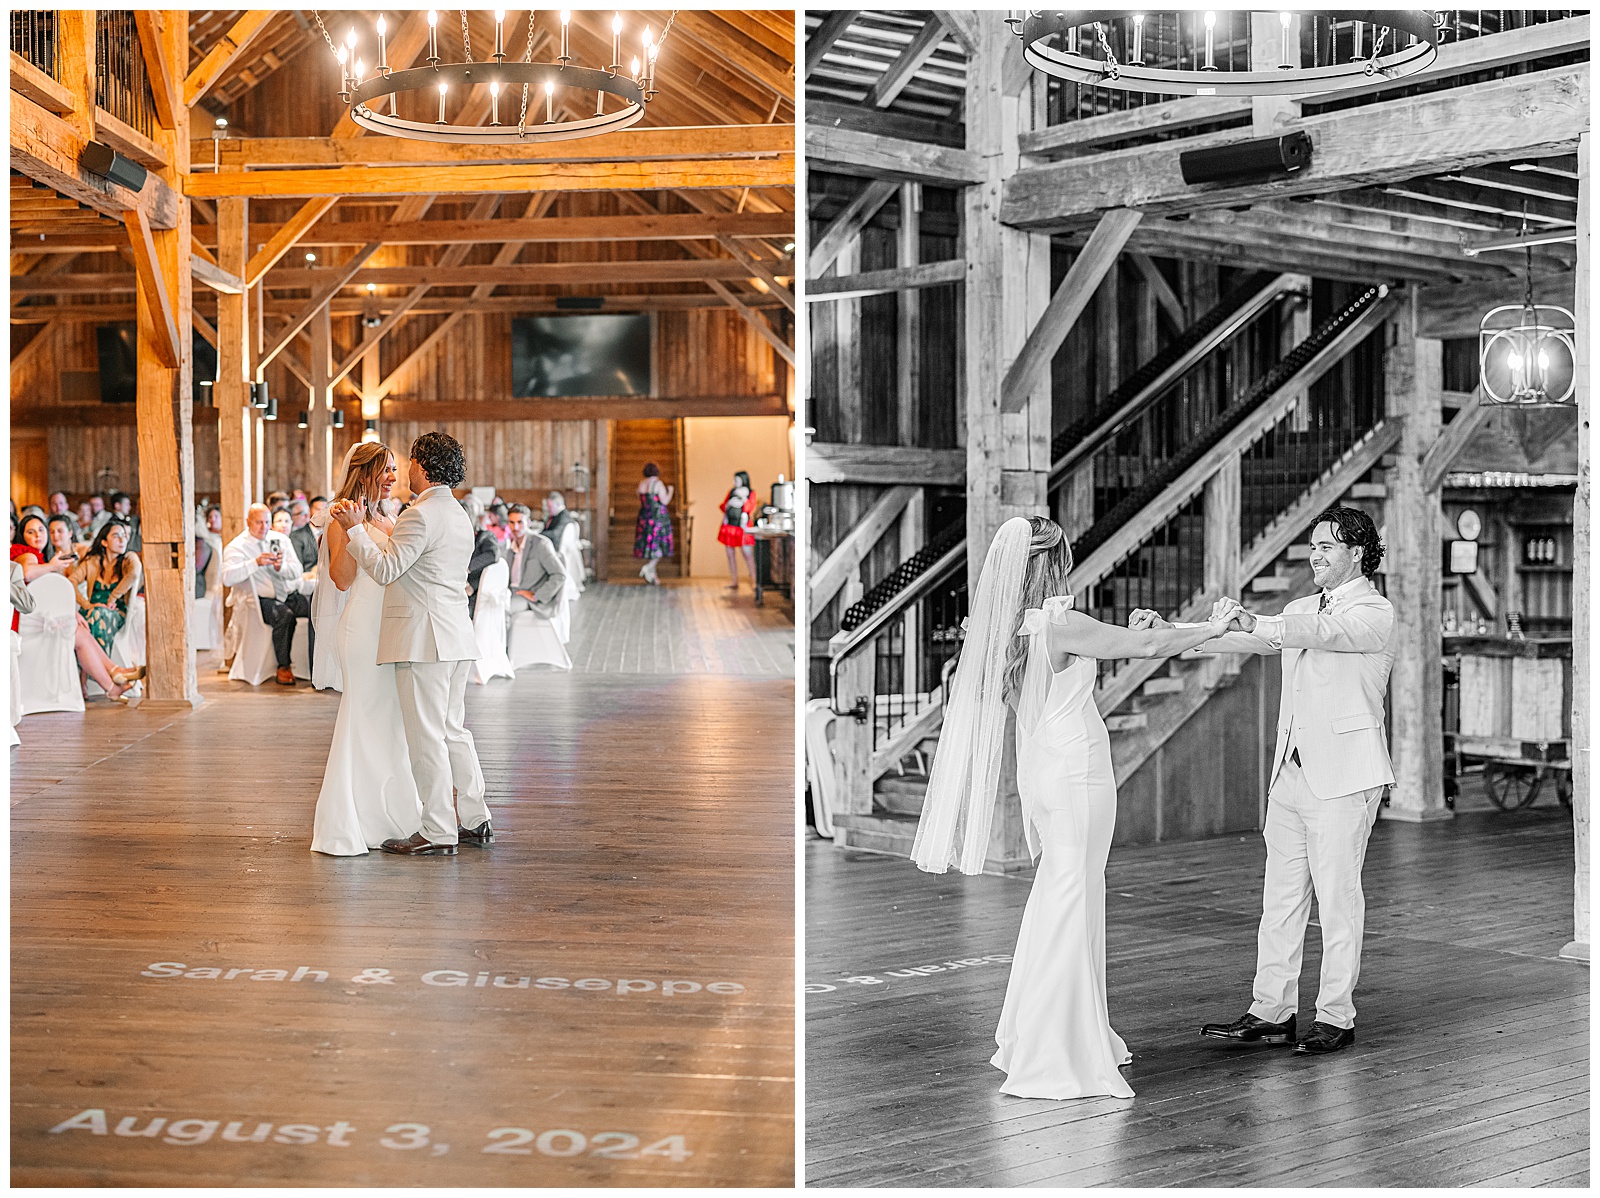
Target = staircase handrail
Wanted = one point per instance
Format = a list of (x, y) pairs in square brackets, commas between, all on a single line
[(847, 640), (1120, 531), (1235, 310)]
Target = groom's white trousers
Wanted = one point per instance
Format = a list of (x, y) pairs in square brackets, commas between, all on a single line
[(1313, 846), (433, 707)]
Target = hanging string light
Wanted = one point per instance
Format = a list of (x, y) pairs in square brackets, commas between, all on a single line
[(1171, 54), (364, 93)]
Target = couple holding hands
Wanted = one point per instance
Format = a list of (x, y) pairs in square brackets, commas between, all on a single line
[(1028, 650)]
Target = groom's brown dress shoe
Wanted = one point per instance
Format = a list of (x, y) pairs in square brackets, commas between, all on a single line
[(1248, 1029), (1325, 1037), (482, 834), (417, 845)]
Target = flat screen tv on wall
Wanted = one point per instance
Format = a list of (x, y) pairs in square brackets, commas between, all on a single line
[(557, 356), (116, 347)]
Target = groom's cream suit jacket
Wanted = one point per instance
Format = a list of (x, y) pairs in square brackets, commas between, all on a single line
[(423, 571), (1335, 676)]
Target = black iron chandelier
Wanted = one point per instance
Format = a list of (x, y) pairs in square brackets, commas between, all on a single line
[(1527, 352), (522, 93), (1227, 52)]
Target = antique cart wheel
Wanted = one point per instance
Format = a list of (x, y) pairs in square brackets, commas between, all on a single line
[(1511, 787)]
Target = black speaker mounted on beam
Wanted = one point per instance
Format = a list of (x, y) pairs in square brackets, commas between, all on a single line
[(1247, 159), (103, 160), (258, 395)]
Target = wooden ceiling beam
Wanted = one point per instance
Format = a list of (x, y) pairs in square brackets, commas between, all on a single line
[(147, 265), (651, 270), (851, 152), (1377, 144), (899, 73), (821, 39), (848, 224), (319, 300), (164, 89), (464, 180), (46, 148), (1486, 199), (766, 27), (1520, 183), (761, 270), (707, 28), (677, 226), (224, 53), (691, 142), (286, 237), (755, 320)]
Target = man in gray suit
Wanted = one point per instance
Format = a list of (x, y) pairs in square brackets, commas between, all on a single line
[(427, 636), (537, 575)]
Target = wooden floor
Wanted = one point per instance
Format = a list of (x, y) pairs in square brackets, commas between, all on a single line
[(1471, 1065), (692, 626), (642, 882)]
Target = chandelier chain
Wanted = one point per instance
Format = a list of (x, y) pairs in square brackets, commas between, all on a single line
[(466, 36), (1113, 68), (332, 49), (527, 56)]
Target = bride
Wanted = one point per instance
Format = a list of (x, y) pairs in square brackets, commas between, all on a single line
[(368, 793), (1027, 649)]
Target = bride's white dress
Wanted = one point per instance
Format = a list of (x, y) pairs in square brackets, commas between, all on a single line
[(368, 793), (1055, 1038)]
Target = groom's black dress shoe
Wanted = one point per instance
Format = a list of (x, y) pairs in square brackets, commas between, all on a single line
[(1248, 1029), (417, 845), (1325, 1037), (482, 834)]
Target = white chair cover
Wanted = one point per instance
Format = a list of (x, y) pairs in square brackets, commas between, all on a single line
[(205, 621), (572, 559), (254, 661), (15, 642), (49, 663), (822, 771), (534, 641), (489, 623), (562, 620)]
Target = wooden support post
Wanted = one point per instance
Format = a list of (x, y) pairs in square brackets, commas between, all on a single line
[(1414, 385), (1007, 293), (231, 395), (913, 536), (75, 28), (1582, 601), (319, 434), (1268, 40), (1222, 549), (600, 533), (852, 737), (908, 320), (165, 429)]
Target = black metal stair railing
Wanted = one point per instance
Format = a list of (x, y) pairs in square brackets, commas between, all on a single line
[(35, 36), (122, 81)]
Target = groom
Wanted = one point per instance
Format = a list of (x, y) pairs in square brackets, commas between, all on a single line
[(1327, 779), (427, 635)]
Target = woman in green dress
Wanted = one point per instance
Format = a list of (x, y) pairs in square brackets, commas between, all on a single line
[(105, 579)]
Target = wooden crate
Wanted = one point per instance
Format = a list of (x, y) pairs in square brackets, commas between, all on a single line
[(1517, 693)]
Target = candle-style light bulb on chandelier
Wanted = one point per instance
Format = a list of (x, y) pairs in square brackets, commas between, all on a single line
[(1212, 53), (1526, 353), (365, 93)]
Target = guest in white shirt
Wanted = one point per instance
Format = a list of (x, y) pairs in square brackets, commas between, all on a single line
[(265, 561)]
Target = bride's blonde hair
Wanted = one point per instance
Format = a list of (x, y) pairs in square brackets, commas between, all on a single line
[(363, 477), (1049, 563)]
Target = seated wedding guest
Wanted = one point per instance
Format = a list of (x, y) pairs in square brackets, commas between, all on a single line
[(107, 577), (276, 500), (495, 521), (319, 514), (282, 521), (484, 551), (537, 575), (58, 503), (301, 535), (265, 561), (209, 535), (31, 548), (33, 509), (122, 509), (64, 538), (98, 515), (93, 661), (85, 520), (556, 517)]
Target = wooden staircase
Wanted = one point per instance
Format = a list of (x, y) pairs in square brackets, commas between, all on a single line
[(633, 443)]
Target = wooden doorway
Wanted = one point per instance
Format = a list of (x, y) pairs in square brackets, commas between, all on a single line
[(633, 443), (30, 467)]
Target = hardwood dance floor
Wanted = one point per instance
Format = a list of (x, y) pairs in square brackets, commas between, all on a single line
[(1471, 1065), (642, 883)]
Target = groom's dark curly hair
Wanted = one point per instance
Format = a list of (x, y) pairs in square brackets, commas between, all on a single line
[(1356, 529), (441, 459)]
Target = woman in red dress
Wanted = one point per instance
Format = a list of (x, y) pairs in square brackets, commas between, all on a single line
[(739, 509)]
